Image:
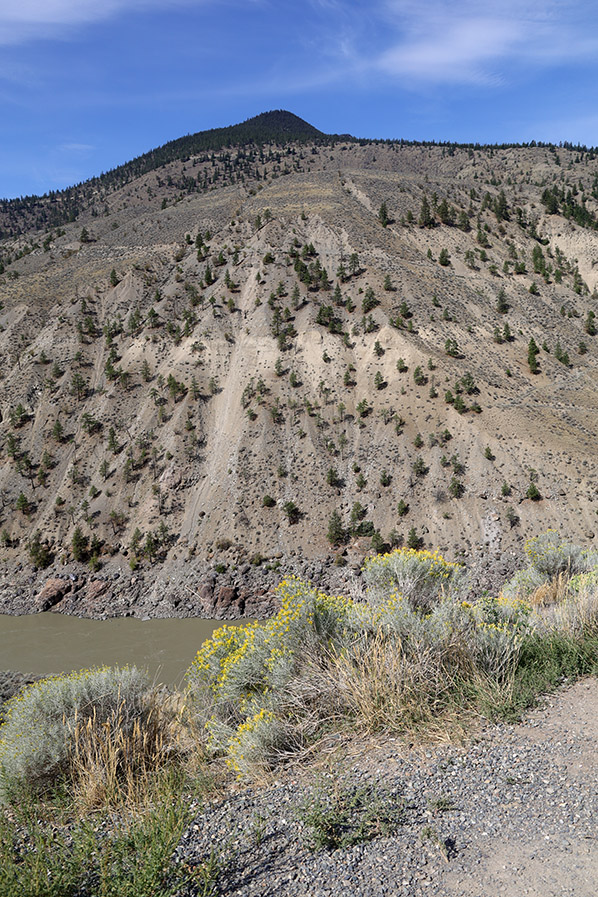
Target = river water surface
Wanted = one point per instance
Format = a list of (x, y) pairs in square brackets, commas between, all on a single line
[(54, 643)]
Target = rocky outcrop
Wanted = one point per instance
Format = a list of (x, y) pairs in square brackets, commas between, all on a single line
[(94, 589), (52, 593)]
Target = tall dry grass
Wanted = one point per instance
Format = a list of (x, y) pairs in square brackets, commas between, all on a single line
[(114, 761)]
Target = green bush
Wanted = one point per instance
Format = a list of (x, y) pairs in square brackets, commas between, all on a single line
[(337, 814), (550, 554)]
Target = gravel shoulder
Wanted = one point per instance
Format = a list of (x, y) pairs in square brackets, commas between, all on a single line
[(513, 813)]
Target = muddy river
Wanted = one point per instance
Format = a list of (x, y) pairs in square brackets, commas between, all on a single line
[(55, 643)]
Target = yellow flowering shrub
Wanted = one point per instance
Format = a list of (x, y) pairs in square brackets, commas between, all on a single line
[(245, 668), (583, 582), (420, 576), (255, 742)]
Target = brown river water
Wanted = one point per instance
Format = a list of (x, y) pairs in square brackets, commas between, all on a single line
[(43, 644)]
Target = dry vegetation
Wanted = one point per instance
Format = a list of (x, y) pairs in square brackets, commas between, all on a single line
[(101, 759)]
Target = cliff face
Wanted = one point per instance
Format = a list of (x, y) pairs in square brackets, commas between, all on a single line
[(219, 354)]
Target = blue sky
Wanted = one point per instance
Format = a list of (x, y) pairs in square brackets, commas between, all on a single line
[(88, 84)]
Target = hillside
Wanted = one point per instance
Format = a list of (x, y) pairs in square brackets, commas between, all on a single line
[(59, 207), (219, 338)]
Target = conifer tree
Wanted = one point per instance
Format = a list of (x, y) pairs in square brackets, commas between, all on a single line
[(532, 356), (425, 215), (336, 531)]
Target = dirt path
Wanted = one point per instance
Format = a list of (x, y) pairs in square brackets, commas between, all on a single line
[(555, 851)]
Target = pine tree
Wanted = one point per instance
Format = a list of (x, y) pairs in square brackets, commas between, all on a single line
[(78, 386), (336, 532), (532, 356), (332, 478), (292, 511), (463, 222), (79, 545), (39, 552), (413, 540), (22, 503), (561, 355), (502, 306), (446, 213), (533, 493), (57, 431), (501, 207), (425, 215)]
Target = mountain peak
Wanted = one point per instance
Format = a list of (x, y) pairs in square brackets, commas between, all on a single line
[(279, 121)]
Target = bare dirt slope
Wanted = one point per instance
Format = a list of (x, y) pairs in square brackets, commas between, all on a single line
[(242, 326)]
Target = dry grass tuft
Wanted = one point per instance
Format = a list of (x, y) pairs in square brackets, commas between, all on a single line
[(114, 761), (554, 591), (381, 687)]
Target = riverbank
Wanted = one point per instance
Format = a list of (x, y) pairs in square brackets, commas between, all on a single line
[(228, 589)]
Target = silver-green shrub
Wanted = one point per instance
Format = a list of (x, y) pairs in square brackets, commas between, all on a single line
[(549, 556), (41, 723), (488, 631)]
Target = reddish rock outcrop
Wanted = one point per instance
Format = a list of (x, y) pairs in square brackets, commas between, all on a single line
[(227, 599), (94, 589), (53, 591)]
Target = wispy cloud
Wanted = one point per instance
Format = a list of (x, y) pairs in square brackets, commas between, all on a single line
[(462, 51), (475, 42), (23, 20), (76, 147)]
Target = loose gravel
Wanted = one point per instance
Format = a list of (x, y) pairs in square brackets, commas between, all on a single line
[(514, 813)]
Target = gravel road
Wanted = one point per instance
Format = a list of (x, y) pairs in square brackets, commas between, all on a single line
[(514, 813)]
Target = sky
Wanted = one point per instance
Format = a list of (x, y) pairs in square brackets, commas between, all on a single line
[(86, 85)]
